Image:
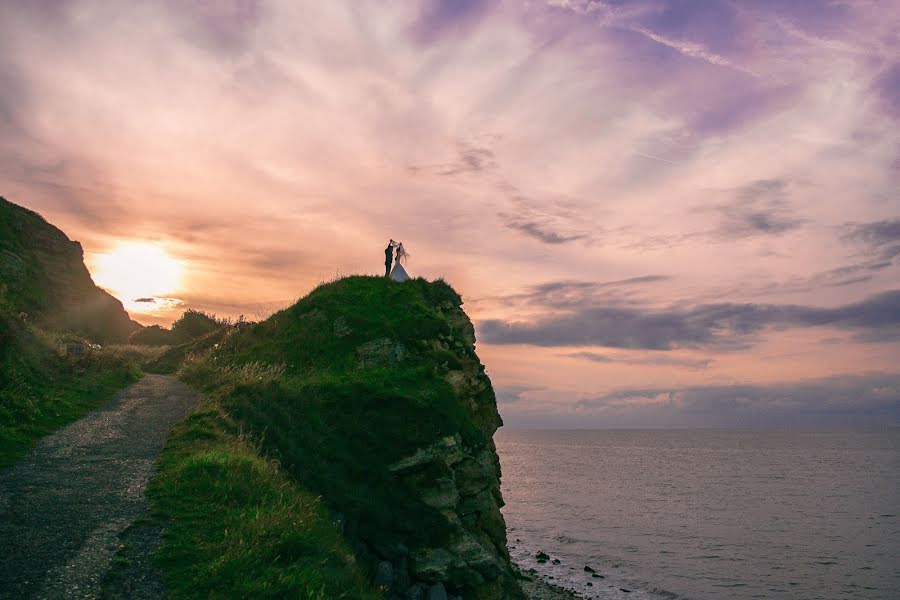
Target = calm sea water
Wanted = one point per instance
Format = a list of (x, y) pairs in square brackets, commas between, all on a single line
[(707, 514)]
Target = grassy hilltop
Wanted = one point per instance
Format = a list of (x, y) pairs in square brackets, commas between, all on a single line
[(368, 393)]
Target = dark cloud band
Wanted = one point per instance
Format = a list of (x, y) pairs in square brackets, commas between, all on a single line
[(725, 325)]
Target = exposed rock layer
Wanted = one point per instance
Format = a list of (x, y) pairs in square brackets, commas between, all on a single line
[(461, 481)]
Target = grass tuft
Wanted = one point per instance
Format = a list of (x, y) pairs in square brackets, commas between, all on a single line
[(239, 527), (40, 390)]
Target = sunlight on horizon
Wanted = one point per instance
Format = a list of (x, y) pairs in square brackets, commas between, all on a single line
[(139, 274)]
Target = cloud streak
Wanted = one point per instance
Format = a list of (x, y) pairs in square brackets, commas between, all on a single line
[(724, 326)]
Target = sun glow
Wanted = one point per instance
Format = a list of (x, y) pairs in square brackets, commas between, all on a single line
[(138, 273)]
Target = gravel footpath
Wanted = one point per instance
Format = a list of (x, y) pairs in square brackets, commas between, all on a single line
[(64, 506)]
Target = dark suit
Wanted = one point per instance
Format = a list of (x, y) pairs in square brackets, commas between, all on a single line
[(388, 257)]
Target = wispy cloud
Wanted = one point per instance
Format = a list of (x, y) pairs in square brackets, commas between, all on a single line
[(759, 208), (654, 359), (882, 238), (694, 50)]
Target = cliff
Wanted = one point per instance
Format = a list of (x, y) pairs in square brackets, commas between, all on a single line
[(42, 273), (369, 392)]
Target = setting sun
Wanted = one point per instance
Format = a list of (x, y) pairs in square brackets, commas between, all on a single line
[(135, 271)]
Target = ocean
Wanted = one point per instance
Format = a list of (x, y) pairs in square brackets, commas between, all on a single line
[(704, 515)]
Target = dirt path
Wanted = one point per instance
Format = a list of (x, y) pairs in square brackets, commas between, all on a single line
[(64, 506)]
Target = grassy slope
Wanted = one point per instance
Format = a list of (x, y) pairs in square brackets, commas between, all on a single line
[(31, 292), (336, 427), (293, 385), (240, 528), (40, 392)]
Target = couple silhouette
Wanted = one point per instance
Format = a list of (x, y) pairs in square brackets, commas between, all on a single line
[(397, 273)]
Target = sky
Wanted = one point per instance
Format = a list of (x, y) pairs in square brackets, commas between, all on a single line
[(659, 213)]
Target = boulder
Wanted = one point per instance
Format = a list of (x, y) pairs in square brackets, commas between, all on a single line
[(437, 592), (384, 574), (383, 352)]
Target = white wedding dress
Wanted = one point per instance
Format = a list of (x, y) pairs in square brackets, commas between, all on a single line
[(398, 273)]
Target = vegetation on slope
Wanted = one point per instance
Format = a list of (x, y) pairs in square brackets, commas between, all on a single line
[(41, 390), (239, 527), (191, 325), (333, 425), (337, 388)]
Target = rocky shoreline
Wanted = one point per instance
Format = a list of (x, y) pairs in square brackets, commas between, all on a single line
[(537, 588)]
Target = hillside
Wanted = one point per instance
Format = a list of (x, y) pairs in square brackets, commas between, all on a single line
[(42, 273), (369, 393)]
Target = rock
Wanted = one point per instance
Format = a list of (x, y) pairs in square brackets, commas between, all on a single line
[(624, 590), (432, 564), (391, 551), (341, 327), (382, 352), (437, 592), (447, 450), (587, 569), (416, 591), (384, 574), (542, 556), (555, 561), (472, 476), (457, 379), (401, 577), (442, 495), (479, 503), (590, 584), (597, 576)]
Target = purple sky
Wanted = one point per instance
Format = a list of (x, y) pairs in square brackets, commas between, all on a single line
[(659, 213)]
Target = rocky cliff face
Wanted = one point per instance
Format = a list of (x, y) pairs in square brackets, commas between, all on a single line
[(462, 482), (42, 273)]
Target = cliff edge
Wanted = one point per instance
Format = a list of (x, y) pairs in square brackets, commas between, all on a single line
[(42, 273), (369, 392)]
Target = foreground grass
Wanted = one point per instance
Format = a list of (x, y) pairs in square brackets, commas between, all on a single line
[(55, 404), (40, 391), (237, 527)]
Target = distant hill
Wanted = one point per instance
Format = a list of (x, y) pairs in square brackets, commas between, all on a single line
[(42, 273)]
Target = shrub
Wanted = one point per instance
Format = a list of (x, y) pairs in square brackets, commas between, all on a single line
[(153, 335), (193, 324)]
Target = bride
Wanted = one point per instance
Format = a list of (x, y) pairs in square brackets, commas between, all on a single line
[(398, 273)]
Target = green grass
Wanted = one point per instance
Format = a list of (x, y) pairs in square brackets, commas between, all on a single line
[(40, 391), (238, 527)]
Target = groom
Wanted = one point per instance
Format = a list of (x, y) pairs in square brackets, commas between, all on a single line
[(389, 257)]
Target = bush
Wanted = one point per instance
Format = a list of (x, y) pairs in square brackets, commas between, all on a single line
[(193, 324), (153, 335)]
